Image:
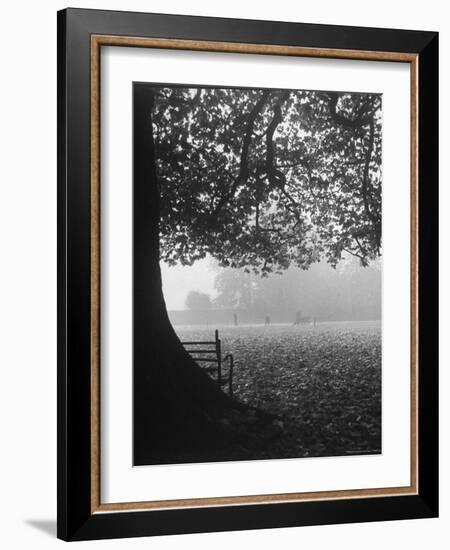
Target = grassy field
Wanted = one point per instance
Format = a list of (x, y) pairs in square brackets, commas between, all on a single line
[(323, 383)]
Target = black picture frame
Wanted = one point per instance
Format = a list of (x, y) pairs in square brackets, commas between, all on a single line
[(77, 518)]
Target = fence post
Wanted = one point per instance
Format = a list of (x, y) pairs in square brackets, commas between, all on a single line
[(219, 358), (231, 374)]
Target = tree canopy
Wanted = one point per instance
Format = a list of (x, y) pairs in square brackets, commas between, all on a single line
[(265, 179)]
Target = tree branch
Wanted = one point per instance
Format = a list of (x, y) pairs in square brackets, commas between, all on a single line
[(342, 120), (273, 174), (243, 165), (365, 182)]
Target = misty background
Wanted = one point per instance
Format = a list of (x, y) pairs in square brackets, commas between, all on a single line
[(206, 293)]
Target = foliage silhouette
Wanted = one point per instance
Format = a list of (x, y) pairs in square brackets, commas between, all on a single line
[(266, 179)]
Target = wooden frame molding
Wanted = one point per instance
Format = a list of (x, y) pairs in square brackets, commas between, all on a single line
[(96, 42)]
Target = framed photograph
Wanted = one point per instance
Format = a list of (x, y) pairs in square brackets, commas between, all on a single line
[(247, 257)]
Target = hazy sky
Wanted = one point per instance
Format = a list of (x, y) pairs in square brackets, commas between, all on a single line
[(179, 280)]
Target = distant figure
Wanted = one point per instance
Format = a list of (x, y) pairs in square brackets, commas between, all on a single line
[(235, 319), (314, 321), (301, 319), (267, 321)]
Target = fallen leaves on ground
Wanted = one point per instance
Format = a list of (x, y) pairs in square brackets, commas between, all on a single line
[(323, 384)]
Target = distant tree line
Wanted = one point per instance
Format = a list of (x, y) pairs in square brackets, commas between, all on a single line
[(348, 291)]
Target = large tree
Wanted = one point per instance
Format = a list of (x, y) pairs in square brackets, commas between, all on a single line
[(259, 179)]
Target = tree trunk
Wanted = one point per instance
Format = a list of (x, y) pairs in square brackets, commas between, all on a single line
[(176, 404)]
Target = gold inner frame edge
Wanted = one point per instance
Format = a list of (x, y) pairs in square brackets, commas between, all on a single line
[(97, 41)]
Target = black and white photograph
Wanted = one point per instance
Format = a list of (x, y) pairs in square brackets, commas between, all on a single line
[(257, 270)]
